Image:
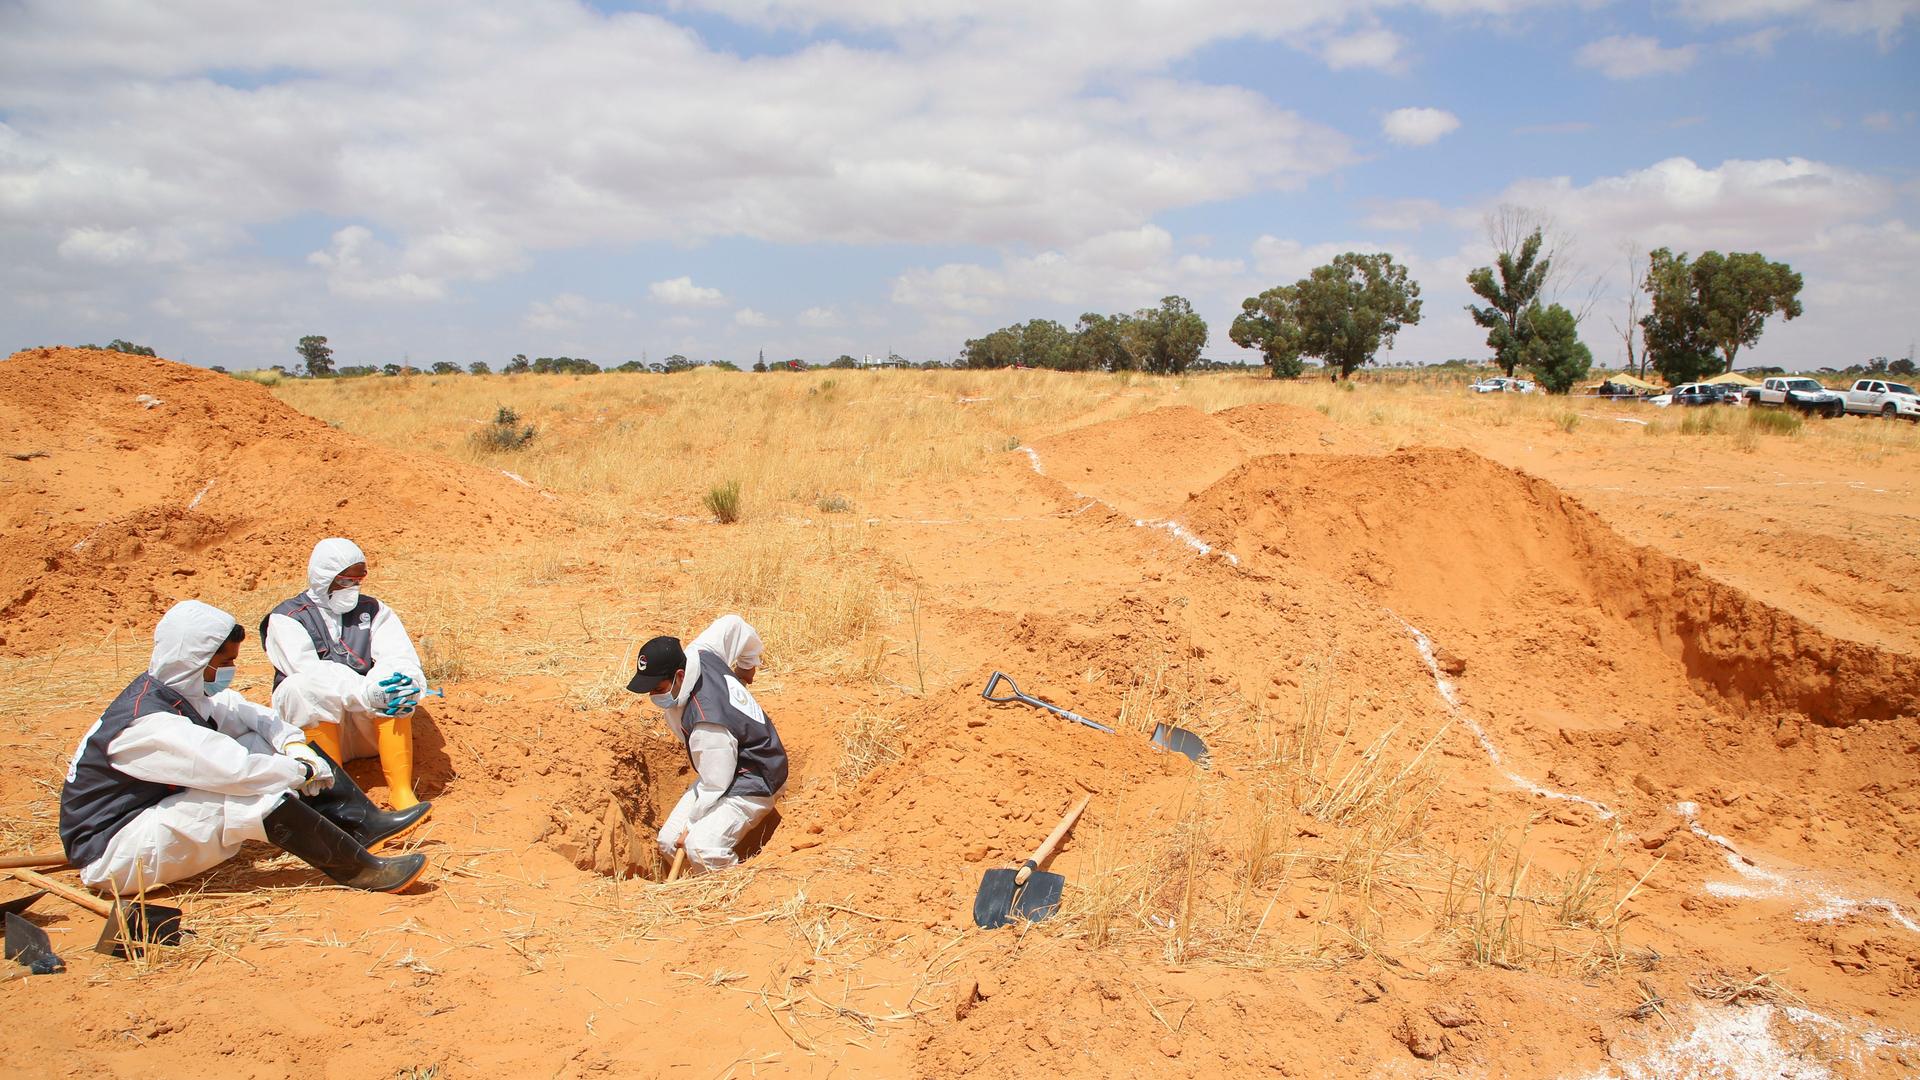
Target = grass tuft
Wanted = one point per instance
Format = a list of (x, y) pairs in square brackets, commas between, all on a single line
[(723, 502)]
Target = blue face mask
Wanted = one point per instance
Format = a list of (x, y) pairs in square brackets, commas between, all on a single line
[(222, 678)]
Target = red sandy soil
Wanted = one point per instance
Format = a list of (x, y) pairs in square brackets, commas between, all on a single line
[(1594, 657)]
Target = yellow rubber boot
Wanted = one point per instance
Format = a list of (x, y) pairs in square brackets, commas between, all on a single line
[(396, 760), (327, 738)]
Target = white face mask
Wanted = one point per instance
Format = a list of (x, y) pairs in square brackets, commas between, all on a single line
[(344, 600), (669, 699), (222, 678)]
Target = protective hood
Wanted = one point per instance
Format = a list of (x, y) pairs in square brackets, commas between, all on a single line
[(184, 642), (330, 556), (739, 647)]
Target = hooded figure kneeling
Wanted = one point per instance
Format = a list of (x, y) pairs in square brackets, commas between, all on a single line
[(344, 669), (738, 760), (180, 771)]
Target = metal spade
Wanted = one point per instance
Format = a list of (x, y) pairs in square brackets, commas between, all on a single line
[(1027, 893), (29, 946), (1165, 736)]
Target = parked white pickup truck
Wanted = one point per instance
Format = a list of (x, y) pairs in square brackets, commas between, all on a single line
[(1878, 397), (1803, 394)]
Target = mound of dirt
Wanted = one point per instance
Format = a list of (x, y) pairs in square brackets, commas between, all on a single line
[(1452, 540), (131, 482), (1279, 428), (1145, 464)]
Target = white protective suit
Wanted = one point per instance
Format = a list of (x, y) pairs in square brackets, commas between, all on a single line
[(234, 776), (710, 820), (318, 691)]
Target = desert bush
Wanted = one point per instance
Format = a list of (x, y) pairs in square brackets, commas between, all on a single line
[(723, 501), (1568, 421), (1774, 421), (833, 504), (505, 433)]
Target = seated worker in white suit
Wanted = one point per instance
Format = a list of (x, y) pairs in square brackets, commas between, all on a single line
[(345, 670), (738, 761), (180, 771)]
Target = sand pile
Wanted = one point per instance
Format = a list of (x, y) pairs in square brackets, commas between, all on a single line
[(1461, 545), (131, 482)]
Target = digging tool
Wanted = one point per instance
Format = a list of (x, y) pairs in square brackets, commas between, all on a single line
[(29, 946), (131, 924), (679, 864), (1165, 736), (55, 861), (1027, 893)]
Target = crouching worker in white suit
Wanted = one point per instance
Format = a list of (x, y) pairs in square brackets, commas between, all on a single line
[(345, 670), (180, 771), (738, 761)]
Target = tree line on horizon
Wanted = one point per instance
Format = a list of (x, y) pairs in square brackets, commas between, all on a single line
[(1702, 312)]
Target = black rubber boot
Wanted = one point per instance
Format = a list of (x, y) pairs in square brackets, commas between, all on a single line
[(347, 806), (300, 830)]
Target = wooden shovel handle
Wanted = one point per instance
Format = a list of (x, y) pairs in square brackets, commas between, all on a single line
[(679, 863), (52, 862), (65, 892), (1045, 851)]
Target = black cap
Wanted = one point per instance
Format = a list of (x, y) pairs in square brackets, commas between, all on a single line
[(659, 659)]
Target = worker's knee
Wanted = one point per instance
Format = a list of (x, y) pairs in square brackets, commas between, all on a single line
[(711, 856)]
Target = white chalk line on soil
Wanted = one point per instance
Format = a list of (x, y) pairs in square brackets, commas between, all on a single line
[(1766, 1040), (1173, 528), (1814, 899), (1445, 687)]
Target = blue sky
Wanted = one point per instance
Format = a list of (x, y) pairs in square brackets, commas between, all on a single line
[(718, 177)]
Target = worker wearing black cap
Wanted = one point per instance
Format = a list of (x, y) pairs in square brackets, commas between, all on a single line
[(738, 762)]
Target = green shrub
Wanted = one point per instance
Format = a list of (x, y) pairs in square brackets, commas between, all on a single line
[(505, 433), (724, 501)]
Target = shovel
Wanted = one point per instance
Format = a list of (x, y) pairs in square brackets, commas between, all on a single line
[(1165, 736), (1027, 893), (29, 946), (131, 924), (19, 904)]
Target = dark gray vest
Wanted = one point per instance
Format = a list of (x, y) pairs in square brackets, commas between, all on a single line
[(355, 647), (98, 799), (762, 768)]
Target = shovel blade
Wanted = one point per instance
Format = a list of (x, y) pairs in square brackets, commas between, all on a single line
[(1180, 741), (137, 926), (993, 904), (1040, 897), (20, 905), (29, 946)]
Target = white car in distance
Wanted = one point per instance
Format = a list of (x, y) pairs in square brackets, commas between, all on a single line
[(1501, 384)]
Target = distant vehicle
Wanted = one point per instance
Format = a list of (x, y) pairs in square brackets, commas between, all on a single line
[(1878, 397), (1804, 394), (1500, 384), (1697, 394)]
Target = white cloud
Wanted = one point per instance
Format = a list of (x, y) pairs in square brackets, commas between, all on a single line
[(360, 267), (819, 318), (1758, 43), (746, 316), (1880, 17), (1372, 48), (1121, 270), (1418, 126), (682, 292), (1634, 56), (571, 311)]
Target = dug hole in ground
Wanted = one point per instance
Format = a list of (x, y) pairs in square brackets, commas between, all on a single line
[(1539, 749)]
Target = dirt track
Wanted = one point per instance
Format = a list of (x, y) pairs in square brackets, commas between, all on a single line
[(1507, 745)]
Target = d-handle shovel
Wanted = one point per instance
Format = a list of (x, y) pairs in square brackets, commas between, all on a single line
[(1026, 893), (131, 925), (1165, 736)]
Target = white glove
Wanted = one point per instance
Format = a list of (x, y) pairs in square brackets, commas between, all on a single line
[(321, 777)]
